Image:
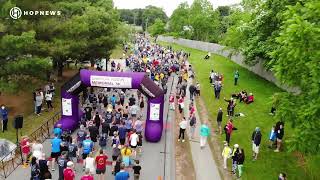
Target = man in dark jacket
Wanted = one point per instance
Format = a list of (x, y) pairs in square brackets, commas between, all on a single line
[(256, 140), (192, 90), (219, 120), (4, 117)]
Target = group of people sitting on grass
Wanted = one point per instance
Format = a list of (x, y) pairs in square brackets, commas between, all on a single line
[(243, 96)]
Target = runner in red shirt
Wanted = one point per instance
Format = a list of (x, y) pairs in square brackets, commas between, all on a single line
[(68, 172), (101, 162)]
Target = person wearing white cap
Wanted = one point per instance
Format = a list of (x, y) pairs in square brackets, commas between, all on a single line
[(256, 140), (235, 153), (68, 173)]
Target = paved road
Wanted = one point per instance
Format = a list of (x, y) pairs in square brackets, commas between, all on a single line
[(157, 159)]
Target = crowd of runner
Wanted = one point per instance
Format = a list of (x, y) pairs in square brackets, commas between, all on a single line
[(114, 118)]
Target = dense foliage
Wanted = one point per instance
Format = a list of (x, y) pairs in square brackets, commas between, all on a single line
[(296, 59), (143, 17), (85, 31)]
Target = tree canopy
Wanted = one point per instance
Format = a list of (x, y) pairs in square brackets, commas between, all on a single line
[(85, 31), (143, 17)]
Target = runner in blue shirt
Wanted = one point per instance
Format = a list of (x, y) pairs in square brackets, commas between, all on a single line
[(87, 146), (58, 131), (55, 149), (122, 175)]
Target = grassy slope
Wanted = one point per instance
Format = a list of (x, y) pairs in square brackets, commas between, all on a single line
[(269, 164)]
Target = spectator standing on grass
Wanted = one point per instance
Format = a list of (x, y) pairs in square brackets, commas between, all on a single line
[(183, 126), (241, 158), (219, 120), (235, 153), (236, 77), (136, 170), (256, 140), (4, 117), (272, 137), (39, 99), (217, 89), (226, 153), (48, 98), (204, 134), (231, 106), (279, 135), (282, 176), (198, 89), (228, 130)]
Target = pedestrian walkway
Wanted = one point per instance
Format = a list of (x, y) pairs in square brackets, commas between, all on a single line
[(203, 161)]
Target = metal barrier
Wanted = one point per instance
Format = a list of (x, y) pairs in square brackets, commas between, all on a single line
[(41, 134)]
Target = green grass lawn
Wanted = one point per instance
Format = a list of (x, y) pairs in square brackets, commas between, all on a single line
[(31, 122), (269, 163)]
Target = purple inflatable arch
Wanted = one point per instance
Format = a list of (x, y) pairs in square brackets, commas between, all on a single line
[(131, 80)]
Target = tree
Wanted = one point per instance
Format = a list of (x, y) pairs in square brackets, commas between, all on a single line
[(179, 19), (150, 14), (204, 21), (157, 28), (86, 30), (296, 62)]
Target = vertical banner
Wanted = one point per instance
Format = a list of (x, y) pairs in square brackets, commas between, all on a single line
[(154, 112), (66, 107)]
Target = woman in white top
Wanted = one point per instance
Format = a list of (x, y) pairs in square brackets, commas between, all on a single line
[(134, 139), (183, 126), (37, 149), (48, 99), (89, 163)]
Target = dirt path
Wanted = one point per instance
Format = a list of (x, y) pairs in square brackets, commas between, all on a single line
[(184, 165), (214, 142)]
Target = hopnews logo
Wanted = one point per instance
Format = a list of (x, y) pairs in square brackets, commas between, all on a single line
[(16, 13)]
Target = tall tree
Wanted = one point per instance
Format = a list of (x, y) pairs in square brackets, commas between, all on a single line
[(157, 28), (296, 59)]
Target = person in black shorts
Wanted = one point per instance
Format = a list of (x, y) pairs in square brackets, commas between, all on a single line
[(136, 170)]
